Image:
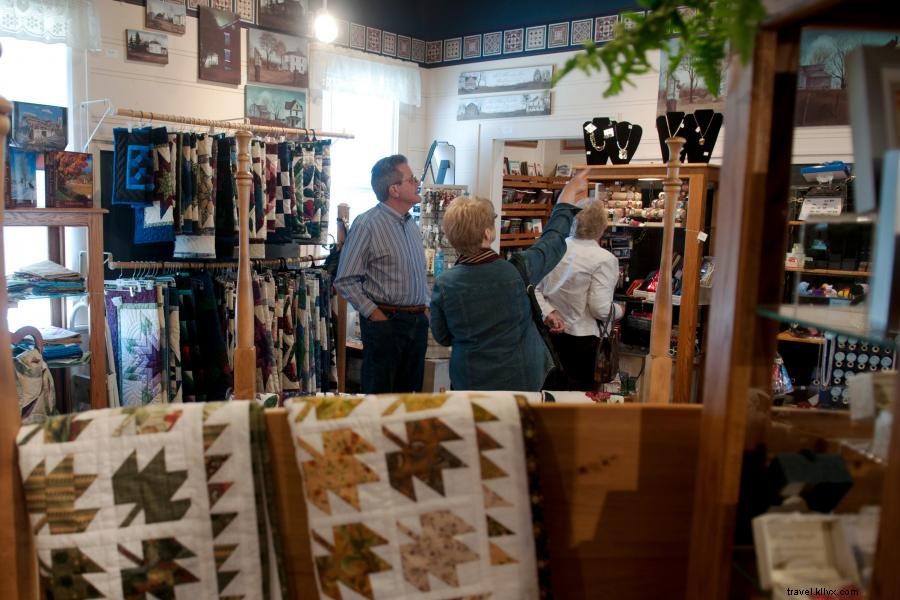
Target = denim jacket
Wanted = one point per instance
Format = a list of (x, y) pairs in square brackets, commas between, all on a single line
[(483, 311)]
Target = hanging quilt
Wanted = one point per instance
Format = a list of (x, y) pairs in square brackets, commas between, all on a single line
[(133, 167), (198, 238), (140, 355), (153, 502), (417, 495)]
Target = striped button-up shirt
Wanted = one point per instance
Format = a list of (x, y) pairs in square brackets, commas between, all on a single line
[(382, 261)]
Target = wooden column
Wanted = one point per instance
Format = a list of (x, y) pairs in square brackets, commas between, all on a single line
[(244, 351), (18, 579), (739, 346), (343, 221), (97, 311), (690, 288), (658, 384)]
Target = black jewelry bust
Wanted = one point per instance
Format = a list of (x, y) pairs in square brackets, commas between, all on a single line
[(626, 140), (701, 130), (669, 125), (599, 140)]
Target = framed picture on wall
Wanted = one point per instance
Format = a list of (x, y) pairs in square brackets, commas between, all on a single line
[(289, 16), (166, 16), (277, 58), (874, 102), (147, 46), (220, 46), (39, 126), (275, 106)]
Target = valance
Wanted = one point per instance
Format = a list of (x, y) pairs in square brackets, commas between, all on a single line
[(345, 71), (71, 22)]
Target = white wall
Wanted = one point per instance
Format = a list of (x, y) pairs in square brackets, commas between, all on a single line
[(175, 88), (577, 98)]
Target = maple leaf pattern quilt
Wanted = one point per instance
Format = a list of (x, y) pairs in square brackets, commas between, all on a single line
[(421, 496), (161, 501)]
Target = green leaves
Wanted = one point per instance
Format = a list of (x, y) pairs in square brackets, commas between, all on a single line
[(150, 489), (708, 31)]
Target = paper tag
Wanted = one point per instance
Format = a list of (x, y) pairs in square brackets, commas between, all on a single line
[(609, 132), (702, 236), (862, 396), (590, 128), (820, 205)]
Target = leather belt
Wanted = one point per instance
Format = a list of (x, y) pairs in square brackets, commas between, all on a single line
[(413, 309)]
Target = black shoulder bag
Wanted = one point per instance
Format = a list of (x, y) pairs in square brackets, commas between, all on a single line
[(556, 379)]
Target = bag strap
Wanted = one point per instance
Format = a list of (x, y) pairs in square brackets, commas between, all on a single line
[(536, 313), (606, 327)]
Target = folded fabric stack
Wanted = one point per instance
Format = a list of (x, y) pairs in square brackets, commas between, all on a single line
[(164, 501), (61, 345), (420, 495), (43, 278)]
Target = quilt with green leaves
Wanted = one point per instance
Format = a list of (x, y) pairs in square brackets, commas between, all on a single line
[(417, 496), (162, 501)]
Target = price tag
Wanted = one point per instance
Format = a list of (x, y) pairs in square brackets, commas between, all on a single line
[(862, 396), (823, 205), (590, 128), (702, 236), (609, 132)]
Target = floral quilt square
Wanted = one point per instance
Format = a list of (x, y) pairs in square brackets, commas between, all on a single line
[(513, 40), (604, 28), (357, 36), (433, 52), (403, 46), (559, 35), (582, 30), (389, 44), (418, 51), (472, 46), (493, 43), (535, 38), (452, 49), (373, 40)]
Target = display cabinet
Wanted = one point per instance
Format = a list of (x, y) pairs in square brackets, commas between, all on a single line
[(526, 201), (56, 219), (740, 429)]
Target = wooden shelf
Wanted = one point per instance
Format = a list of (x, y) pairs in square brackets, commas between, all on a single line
[(528, 181), (834, 272), (59, 217), (509, 240), (633, 171), (787, 336), (518, 209)]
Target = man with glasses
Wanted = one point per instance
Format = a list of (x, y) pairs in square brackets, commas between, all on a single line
[(382, 274)]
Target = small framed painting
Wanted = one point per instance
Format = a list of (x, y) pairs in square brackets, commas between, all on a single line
[(39, 126), (69, 178)]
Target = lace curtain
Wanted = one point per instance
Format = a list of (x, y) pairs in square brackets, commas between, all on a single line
[(343, 71), (71, 22)]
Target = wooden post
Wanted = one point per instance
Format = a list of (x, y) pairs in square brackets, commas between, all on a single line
[(15, 531), (343, 220), (244, 351), (97, 311), (657, 387)]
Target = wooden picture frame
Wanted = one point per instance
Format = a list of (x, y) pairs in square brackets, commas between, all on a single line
[(521, 143), (873, 83)]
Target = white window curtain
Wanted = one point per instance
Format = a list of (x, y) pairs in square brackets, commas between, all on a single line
[(340, 70), (71, 22)]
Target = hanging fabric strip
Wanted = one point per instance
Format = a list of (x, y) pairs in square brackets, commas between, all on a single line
[(200, 241), (284, 196), (226, 205)]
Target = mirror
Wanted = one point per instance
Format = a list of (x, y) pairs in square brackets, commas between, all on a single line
[(441, 164)]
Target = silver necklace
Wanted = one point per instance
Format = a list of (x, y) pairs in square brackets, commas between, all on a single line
[(623, 152), (708, 125), (669, 130)]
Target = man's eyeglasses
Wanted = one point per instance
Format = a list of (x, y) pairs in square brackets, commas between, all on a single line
[(415, 181)]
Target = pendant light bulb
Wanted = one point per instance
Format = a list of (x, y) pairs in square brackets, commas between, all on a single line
[(325, 25)]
